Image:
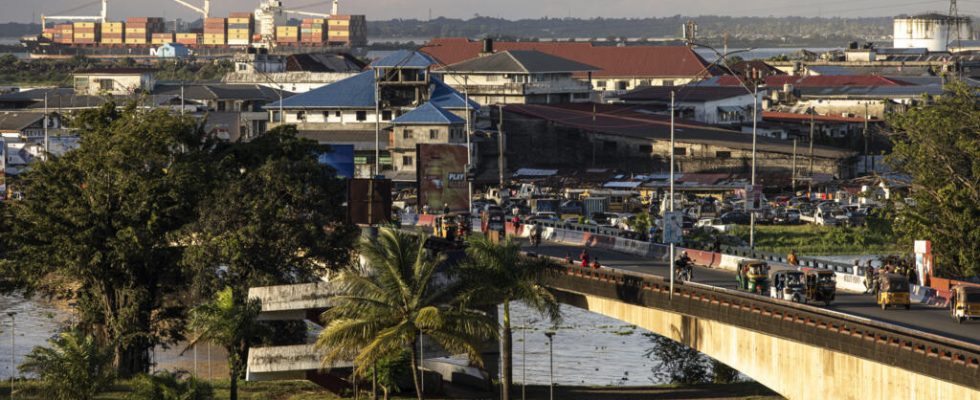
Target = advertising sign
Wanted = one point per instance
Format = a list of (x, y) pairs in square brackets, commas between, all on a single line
[(673, 227), (369, 201), (3, 169), (341, 158), (753, 197), (441, 170)]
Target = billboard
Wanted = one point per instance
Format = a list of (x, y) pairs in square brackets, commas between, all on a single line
[(3, 169), (369, 201), (341, 158), (441, 170)]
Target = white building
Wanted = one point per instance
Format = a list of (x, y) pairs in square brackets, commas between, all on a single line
[(114, 81), (716, 105), (931, 31)]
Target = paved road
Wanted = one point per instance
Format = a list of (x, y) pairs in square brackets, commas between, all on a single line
[(920, 317)]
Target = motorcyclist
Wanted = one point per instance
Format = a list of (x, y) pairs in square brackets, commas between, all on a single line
[(535, 235), (683, 264)]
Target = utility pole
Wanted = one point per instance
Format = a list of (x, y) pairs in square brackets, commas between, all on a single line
[(501, 164), (755, 126), (47, 144), (809, 186), (866, 116), (377, 124), (469, 146), (794, 167), (593, 134), (672, 155)]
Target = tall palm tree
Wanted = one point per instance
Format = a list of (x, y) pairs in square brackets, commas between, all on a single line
[(503, 275), (379, 311), (231, 324)]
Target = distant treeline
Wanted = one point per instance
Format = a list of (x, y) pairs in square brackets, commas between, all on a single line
[(14, 29), (739, 29)]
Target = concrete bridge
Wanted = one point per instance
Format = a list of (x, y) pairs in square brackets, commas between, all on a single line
[(796, 350)]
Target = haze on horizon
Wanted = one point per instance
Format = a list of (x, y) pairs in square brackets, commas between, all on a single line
[(23, 10)]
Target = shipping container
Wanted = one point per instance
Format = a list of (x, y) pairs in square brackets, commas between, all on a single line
[(596, 205)]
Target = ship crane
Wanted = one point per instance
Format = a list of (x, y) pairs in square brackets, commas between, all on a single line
[(205, 12), (333, 11), (101, 18)]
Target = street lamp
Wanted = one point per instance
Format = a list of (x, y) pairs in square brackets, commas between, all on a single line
[(551, 364), (13, 334)]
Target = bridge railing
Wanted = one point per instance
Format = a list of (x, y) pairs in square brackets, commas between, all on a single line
[(922, 352)]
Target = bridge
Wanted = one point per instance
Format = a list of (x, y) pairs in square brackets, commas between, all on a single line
[(851, 349)]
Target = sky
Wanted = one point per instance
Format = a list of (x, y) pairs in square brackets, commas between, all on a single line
[(22, 10)]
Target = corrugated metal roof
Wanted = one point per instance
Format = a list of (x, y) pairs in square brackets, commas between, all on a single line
[(362, 140), (685, 94), (17, 121), (520, 61), (358, 92), (429, 114), (405, 59), (612, 61)]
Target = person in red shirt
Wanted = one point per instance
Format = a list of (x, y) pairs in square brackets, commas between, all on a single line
[(585, 258)]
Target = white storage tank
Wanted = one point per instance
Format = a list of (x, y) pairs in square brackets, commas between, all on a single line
[(930, 31)]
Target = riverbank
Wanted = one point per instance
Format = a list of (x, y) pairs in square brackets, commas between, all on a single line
[(303, 390)]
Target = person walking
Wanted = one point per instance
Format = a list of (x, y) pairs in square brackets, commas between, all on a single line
[(595, 263), (584, 257), (791, 259)]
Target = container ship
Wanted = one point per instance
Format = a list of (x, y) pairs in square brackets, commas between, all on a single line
[(267, 27)]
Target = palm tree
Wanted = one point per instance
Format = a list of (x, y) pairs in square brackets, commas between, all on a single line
[(75, 367), (381, 310), (503, 274), (231, 324)]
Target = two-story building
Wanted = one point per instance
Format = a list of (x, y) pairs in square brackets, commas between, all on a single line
[(114, 81), (360, 110), (428, 124), (520, 77), (715, 105)]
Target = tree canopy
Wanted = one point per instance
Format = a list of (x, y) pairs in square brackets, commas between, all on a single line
[(938, 146)]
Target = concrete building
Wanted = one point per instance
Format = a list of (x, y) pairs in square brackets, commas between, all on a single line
[(427, 124), (297, 73), (715, 105), (114, 81), (520, 77), (629, 139), (345, 112), (930, 31), (619, 68)]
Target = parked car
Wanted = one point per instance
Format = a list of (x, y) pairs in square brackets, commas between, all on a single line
[(736, 217)]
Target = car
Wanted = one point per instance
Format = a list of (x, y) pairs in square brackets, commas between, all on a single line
[(736, 217), (547, 216)]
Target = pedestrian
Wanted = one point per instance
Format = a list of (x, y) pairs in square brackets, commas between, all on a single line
[(445, 208), (869, 278), (791, 259), (584, 257), (595, 263), (717, 246), (568, 259)]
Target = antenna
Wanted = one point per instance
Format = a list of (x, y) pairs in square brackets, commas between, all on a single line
[(954, 16)]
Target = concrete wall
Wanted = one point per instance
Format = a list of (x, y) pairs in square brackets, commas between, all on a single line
[(794, 370)]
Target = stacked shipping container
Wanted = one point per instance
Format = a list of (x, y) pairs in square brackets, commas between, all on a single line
[(162, 38), (140, 29), (240, 28), (215, 32), (312, 31), (113, 33), (288, 35), (339, 29), (87, 32), (64, 33), (188, 39)]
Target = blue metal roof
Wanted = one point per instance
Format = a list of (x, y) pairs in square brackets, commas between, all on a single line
[(358, 92), (404, 59), (429, 114)]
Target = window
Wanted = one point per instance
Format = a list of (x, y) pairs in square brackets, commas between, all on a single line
[(242, 67), (723, 154), (622, 85), (386, 115), (668, 83), (276, 117), (433, 134), (407, 161), (407, 134), (600, 84), (492, 78), (336, 114), (105, 84), (362, 115), (645, 149), (81, 84), (645, 82), (680, 151), (326, 116), (221, 106), (301, 115)]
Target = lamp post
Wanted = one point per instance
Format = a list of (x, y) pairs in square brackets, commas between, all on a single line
[(551, 364), (13, 347)]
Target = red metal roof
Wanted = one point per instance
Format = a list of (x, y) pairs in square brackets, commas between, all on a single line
[(833, 81), (620, 62), (793, 117)]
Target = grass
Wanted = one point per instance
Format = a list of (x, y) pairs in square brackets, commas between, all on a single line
[(813, 240), (285, 390)]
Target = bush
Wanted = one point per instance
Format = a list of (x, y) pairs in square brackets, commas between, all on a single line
[(170, 386), (74, 367), (677, 362)]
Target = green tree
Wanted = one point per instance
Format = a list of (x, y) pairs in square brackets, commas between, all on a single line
[(74, 367), (382, 309), (387, 372), (938, 145), (232, 324), (271, 216), (96, 226), (677, 363), (501, 274)]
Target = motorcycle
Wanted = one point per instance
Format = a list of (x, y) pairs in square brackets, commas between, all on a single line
[(683, 270)]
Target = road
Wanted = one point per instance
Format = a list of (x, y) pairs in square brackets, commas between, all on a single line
[(920, 317)]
